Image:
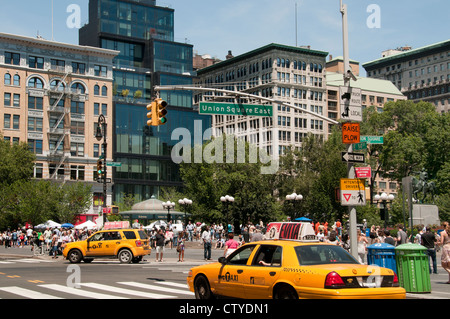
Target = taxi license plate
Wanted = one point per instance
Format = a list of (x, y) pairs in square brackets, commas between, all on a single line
[(370, 282)]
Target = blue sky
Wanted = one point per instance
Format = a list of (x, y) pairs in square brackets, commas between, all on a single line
[(214, 27)]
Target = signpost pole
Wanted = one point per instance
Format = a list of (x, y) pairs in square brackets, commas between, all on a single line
[(350, 170)]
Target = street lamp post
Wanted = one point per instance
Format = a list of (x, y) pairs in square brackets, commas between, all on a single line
[(185, 203), (101, 133), (168, 205), (294, 197), (227, 199), (384, 198)]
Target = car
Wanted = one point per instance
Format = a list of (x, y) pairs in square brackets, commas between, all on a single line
[(292, 269), (128, 245)]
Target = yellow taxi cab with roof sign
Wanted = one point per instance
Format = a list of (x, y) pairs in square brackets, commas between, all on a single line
[(128, 245), (289, 268)]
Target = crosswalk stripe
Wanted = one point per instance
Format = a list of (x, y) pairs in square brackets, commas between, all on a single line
[(80, 292), (6, 262), (173, 284), (159, 288), (127, 291), (27, 293)]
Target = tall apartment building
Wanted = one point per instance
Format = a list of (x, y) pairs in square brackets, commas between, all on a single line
[(144, 34), (51, 95), (289, 74), (420, 74)]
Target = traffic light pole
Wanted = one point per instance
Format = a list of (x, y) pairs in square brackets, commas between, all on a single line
[(101, 133), (350, 169)]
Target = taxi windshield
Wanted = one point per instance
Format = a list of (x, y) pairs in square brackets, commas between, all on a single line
[(323, 254)]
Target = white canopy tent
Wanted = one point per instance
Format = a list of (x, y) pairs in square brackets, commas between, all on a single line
[(89, 225)]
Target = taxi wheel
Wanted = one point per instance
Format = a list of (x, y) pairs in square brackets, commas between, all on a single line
[(74, 256), (125, 256), (202, 289), (285, 292)]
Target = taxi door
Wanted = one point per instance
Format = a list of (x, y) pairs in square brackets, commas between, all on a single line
[(95, 245), (111, 240), (232, 275), (264, 272)]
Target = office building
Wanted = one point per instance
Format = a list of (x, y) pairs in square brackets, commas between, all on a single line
[(51, 96), (144, 34), (289, 74), (422, 74)]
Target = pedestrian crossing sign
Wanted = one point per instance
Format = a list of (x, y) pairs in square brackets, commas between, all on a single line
[(353, 192)]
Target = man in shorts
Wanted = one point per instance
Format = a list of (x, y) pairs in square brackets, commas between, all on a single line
[(160, 239)]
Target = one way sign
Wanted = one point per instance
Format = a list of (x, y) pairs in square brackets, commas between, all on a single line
[(352, 157)]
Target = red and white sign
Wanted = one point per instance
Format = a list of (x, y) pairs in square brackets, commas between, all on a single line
[(363, 172), (290, 230), (116, 225)]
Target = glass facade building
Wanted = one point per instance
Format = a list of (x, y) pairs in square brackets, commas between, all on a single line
[(144, 35)]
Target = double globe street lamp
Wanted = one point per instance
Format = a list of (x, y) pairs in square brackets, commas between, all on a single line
[(227, 199), (384, 198), (294, 197), (185, 202), (168, 205)]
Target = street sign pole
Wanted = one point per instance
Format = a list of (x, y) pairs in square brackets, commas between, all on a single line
[(350, 170)]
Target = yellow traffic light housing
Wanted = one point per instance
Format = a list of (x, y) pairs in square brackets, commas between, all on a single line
[(99, 167), (161, 111), (152, 114)]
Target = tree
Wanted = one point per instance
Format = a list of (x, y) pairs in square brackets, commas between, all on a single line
[(17, 162)]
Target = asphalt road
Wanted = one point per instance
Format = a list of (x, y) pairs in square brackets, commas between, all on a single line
[(23, 275)]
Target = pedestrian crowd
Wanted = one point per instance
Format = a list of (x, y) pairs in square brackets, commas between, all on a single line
[(51, 240)]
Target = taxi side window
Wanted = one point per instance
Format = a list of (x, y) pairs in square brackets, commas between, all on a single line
[(268, 255), (97, 237), (129, 234), (240, 256), (112, 235)]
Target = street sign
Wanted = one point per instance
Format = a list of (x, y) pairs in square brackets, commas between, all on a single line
[(363, 172), (352, 157), (350, 102), (235, 109), (115, 164), (100, 180), (372, 139), (350, 133), (360, 146), (352, 192)]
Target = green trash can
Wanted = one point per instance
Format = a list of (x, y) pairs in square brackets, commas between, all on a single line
[(412, 268)]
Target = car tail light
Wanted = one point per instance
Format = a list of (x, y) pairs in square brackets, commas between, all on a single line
[(395, 283), (333, 281), (138, 243)]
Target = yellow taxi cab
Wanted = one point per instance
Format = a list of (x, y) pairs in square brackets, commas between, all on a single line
[(128, 245), (291, 269)]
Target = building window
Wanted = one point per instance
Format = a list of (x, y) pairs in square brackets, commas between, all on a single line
[(77, 173), (35, 146), (78, 88), (78, 68), (16, 80), (100, 70), (16, 122), (38, 170), (12, 58), (104, 91), (77, 107), (35, 103), (77, 149), (7, 99), (36, 62), (36, 83), (77, 128), (16, 100), (35, 124), (7, 79), (96, 90), (58, 65), (7, 121)]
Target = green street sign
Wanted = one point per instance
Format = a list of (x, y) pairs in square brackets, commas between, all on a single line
[(372, 139), (360, 146), (115, 164), (235, 109)]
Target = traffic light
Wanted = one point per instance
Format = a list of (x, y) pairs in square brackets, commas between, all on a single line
[(151, 114), (161, 111), (99, 167)]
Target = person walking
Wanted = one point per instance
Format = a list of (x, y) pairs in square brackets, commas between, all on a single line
[(362, 243), (180, 245), (445, 243), (230, 245), (402, 237), (206, 237), (428, 239), (160, 241)]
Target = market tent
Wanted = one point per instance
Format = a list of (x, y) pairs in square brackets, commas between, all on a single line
[(49, 224), (67, 225), (156, 224), (152, 209), (89, 225)]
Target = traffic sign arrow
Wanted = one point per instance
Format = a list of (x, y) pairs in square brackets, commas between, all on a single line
[(352, 157)]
